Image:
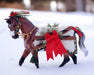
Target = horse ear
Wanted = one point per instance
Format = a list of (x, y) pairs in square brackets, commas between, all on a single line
[(6, 19)]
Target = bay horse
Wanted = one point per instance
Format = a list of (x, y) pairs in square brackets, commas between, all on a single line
[(16, 21)]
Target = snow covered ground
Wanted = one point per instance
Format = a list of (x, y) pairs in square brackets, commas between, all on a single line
[(11, 50)]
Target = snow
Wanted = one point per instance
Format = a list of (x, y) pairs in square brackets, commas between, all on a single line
[(11, 50)]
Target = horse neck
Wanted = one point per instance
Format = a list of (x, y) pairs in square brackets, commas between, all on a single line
[(26, 25)]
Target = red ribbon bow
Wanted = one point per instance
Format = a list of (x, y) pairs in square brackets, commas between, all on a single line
[(54, 44), (13, 14)]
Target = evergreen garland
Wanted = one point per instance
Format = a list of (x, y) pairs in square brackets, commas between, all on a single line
[(19, 14), (50, 29)]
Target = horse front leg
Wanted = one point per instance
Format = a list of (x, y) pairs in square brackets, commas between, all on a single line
[(24, 55)]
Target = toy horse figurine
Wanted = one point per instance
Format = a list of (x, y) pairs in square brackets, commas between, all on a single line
[(17, 20)]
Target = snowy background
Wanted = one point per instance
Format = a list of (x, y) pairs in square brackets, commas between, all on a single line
[(11, 50)]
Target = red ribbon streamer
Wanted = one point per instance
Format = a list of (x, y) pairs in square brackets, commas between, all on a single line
[(79, 33), (54, 44)]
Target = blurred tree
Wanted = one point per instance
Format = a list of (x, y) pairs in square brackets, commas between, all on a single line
[(46, 4), (12, 4), (80, 5), (40, 4), (11, 1), (69, 5)]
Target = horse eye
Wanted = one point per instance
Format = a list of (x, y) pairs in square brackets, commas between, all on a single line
[(9, 25)]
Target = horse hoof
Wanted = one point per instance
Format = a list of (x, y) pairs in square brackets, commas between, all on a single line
[(37, 65), (74, 58), (21, 61), (20, 64), (66, 60)]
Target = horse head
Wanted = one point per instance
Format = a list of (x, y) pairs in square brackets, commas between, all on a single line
[(14, 24)]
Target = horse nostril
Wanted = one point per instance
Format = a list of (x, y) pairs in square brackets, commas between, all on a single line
[(14, 26)]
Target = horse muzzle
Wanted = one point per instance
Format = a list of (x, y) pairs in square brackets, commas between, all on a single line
[(14, 36)]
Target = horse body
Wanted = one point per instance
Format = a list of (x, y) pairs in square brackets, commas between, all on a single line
[(68, 44), (29, 32)]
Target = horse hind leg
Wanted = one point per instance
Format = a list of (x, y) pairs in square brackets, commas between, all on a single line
[(34, 58), (65, 61), (25, 54), (74, 58), (37, 61), (34, 52)]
